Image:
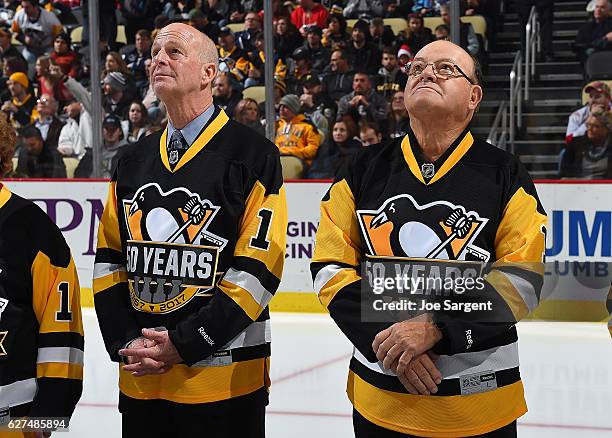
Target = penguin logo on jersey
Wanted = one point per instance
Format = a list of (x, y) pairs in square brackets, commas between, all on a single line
[(2, 338), (171, 254), (438, 230)]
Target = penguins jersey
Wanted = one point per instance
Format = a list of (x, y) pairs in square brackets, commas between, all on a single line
[(41, 330), (198, 249), (381, 205)]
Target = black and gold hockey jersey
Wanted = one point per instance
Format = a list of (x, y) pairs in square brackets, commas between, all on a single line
[(41, 330), (197, 249), (383, 205)]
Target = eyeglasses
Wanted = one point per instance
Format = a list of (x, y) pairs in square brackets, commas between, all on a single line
[(443, 69), (43, 100)]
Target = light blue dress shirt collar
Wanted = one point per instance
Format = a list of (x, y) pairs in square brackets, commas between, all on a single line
[(192, 129)]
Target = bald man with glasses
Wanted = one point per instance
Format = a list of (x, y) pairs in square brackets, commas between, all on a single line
[(437, 193)]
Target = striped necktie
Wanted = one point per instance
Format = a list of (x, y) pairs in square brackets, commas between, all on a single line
[(176, 147)]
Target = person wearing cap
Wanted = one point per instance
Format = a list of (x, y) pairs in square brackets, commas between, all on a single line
[(599, 95), (199, 20), (363, 8), (22, 106), (296, 134), (299, 66), (318, 54), (362, 52), (113, 147), (338, 81), (7, 49), (36, 159), (36, 28), (64, 56), (135, 59), (115, 100), (595, 34), (316, 105), (231, 58), (590, 156), (390, 78), (307, 13)]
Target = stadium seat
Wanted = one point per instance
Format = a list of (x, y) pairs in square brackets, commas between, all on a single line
[(397, 24), (478, 23), (292, 166), (121, 38), (258, 93), (77, 34), (350, 23), (15, 160), (598, 66), (432, 22), (236, 27), (71, 165), (585, 96)]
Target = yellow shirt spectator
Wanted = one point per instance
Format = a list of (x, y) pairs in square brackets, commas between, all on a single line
[(296, 135)]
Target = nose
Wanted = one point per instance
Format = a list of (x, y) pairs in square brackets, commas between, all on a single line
[(428, 73), (160, 58)]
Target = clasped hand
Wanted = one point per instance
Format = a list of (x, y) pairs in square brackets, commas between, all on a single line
[(153, 353)]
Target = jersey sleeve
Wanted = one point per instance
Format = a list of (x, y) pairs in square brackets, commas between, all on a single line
[(249, 284), (110, 286), (335, 266), (515, 279), (57, 306)]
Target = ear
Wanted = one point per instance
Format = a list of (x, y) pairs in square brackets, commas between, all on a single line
[(475, 97), (209, 73)]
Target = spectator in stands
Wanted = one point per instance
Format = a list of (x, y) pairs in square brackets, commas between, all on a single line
[(136, 57), (7, 49), (398, 122), (296, 135), (21, 109), (57, 87), (247, 113), (363, 53), (369, 134), (316, 106), (318, 54), (334, 153), (467, 37), (335, 35), (286, 38), (36, 28), (404, 56), (115, 100), (307, 13), (254, 72), (235, 12), (199, 20), (75, 136), (232, 60), (252, 25), (36, 159), (590, 156), (298, 70), (442, 32), (339, 82), (114, 146), (390, 77), (382, 36), (596, 34), (64, 56), (47, 121), (137, 122), (224, 94), (416, 35), (139, 14), (599, 95), (363, 101), (113, 62), (280, 9), (423, 7), (155, 108), (363, 9), (397, 8)]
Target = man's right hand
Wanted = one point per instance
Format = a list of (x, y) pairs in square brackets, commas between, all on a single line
[(421, 377), (608, 36), (143, 342)]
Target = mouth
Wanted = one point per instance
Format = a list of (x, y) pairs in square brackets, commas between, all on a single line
[(425, 87)]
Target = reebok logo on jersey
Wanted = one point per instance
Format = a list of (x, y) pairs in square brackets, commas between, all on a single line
[(207, 338)]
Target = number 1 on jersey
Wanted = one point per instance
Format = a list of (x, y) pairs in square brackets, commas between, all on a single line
[(64, 313), (260, 241)]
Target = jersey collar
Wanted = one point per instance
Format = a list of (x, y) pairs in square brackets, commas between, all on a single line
[(5, 195), (461, 145)]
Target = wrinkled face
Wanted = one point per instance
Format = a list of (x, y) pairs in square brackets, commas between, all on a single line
[(60, 46), (15, 88), (602, 10), (429, 96), (46, 105), (340, 132), (336, 62), (596, 131), (221, 86), (251, 21), (34, 145), (111, 64), (135, 114), (111, 133), (369, 137), (397, 101), (142, 43), (361, 83), (389, 61), (414, 24)]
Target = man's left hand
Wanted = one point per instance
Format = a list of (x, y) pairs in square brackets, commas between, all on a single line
[(156, 359), (405, 340)]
